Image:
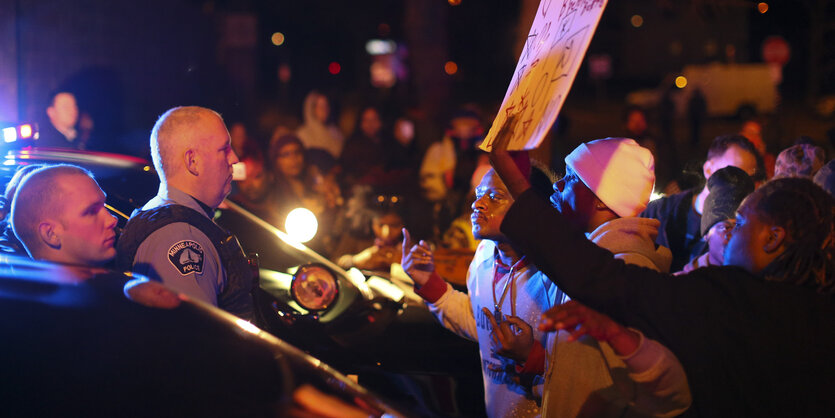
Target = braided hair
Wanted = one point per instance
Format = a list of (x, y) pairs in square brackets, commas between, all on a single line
[(805, 211)]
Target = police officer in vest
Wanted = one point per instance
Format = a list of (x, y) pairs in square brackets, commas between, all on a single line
[(173, 238)]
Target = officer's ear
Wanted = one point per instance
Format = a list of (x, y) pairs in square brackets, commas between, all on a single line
[(50, 234), (190, 161)]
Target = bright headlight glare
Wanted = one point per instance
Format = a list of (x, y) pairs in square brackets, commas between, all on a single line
[(301, 224)]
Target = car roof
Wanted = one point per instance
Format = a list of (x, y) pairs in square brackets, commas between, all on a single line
[(75, 343)]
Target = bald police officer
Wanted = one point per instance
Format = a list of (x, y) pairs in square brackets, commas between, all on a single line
[(173, 238)]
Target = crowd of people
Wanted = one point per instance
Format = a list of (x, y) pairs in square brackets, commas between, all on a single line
[(586, 297)]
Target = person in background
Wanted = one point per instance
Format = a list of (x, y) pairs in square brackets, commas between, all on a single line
[(86, 130), (637, 128), (728, 187), (363, 158), (386, 224), (752, 129), (402, 153), (799, 161), (457, 154), (242, 143), (256, 192), (825, 178), (696, 114), (299, 184), (680, 214), (58, 213), (432, 211), (59, 130), (317, 132)]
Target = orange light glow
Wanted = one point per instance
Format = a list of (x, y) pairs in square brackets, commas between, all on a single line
[(681, 81), (762, 7), (25, 131), (454, 2), (278, 38), (451, 67), (637, 21)]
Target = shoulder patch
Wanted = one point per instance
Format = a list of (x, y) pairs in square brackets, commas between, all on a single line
[(187, 257)]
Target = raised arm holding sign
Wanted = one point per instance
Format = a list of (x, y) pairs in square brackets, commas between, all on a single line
[(550, 59)]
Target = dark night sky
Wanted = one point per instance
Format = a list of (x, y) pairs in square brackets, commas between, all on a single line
[(129, 61)]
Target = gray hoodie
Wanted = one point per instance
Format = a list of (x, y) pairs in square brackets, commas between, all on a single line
[(633, 241), (587, 378)]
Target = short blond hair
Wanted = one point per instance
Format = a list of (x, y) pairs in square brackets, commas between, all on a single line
[(168, 133), (38, 197)]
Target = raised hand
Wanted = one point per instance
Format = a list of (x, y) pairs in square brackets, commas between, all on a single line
[(581, 320), (418, 260), (512, 337)]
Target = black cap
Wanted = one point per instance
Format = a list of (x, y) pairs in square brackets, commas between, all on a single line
[(727, 187)]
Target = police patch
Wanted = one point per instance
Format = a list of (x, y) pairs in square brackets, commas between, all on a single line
[(187, 257)]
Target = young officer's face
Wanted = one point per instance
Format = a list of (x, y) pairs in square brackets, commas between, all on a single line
[(86, 228)]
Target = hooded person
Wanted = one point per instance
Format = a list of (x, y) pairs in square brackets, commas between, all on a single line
[(317, 133), (610, 181), (728, 188)]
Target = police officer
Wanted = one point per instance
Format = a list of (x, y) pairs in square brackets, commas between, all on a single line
[(173, 237)]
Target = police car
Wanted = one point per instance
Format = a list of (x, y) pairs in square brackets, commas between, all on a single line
[(81, 341), (356, 323)]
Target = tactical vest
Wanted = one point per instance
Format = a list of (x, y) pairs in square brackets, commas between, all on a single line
[(236, 296)]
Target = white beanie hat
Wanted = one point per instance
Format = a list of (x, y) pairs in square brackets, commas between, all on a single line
[(620, 172)]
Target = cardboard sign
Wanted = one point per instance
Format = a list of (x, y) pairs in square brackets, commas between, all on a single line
[(553, 52)]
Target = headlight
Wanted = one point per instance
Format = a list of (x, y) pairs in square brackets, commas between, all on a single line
[(301, 224), (314, 287)]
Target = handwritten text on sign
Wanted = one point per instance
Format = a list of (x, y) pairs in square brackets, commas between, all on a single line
[(550, 59)]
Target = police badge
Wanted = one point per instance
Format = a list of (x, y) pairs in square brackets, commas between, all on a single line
[(187, 257)]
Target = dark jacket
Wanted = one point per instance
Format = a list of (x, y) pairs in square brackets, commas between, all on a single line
[(674, 212), (749, 347)]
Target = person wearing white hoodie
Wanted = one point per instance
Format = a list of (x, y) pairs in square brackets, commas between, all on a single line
[(317, 131), (604, 369)]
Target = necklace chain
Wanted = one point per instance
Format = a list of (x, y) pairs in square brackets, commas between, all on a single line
[(497, 304)]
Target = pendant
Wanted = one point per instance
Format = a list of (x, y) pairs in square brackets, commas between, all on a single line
[(497, 313)]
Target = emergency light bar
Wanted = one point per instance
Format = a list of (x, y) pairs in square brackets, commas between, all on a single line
[(17, 132)]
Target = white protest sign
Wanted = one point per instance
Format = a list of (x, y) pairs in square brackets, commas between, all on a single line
[(553, 52)]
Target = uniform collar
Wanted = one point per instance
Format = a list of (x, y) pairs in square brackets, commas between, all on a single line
[(175, 195)]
